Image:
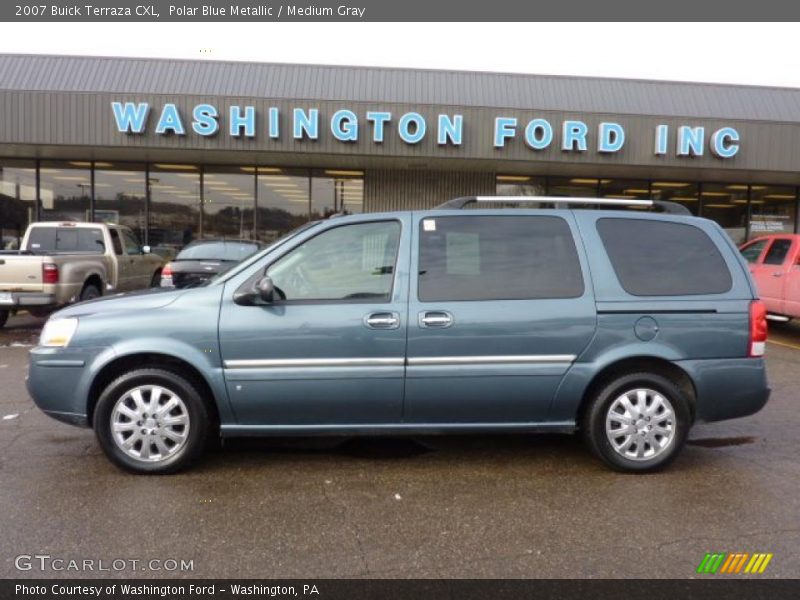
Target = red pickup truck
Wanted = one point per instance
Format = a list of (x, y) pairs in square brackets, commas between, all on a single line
[(775, 264)]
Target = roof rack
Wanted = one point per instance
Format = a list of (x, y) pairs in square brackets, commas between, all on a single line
[(672, 208)]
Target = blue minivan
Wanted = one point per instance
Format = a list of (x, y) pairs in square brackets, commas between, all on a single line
[(482, 315)]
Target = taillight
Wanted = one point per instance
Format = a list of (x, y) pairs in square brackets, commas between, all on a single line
[(758, 328), (166, 276), (49, 273)]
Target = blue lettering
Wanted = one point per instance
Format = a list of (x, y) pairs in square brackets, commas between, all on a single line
[(239, 121), (504, 128), (274, 124), (725, 142), (452, 129), (378, 119), (574, 136), (404, 128), (205, 119), (539, 134), (662, 134), (611, 137), (130, 117), (306, 124), (170, 120), (690, 141), (344, 126)]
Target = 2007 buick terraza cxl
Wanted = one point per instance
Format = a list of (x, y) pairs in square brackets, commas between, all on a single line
[(626, 326)]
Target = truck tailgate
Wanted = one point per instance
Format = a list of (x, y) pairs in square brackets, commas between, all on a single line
[(21, 273)]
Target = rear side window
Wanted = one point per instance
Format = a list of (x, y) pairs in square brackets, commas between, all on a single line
[(497, 258), (777, 252), (66, 239), (660, 258)]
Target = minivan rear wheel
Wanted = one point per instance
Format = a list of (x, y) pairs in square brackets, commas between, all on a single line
[(151, 421), (638, 422)]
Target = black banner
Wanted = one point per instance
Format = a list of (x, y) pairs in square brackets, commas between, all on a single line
[(734, 588)]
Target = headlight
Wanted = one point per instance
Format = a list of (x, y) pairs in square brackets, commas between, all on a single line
[(58, 332)]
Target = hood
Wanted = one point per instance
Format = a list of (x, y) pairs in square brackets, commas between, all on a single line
[(147, 299)]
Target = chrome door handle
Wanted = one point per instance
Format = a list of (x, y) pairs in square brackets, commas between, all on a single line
[(382, 320), (435, 318), (777, 274)]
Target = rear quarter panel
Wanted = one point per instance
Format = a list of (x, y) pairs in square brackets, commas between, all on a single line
[(686, 328)]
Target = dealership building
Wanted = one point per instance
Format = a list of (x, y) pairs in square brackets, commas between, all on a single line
[(180, 150)]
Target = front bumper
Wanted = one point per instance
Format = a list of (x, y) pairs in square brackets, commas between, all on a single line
[(59, 380), (728, 388)]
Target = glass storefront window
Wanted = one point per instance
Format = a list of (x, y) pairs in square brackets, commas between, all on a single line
[(574, 187), (625, 189), (174, 207), (520, 185), (773, 209), (65, 189), (120, 193), (336, 191), (681, 192), (228, 203), (727, 205), (283, 201), (17, 201)]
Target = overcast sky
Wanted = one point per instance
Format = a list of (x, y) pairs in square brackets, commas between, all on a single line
[(754, 53)]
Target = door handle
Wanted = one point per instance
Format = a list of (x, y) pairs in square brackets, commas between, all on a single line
[(382, 320), (435, 318), (777, 274)]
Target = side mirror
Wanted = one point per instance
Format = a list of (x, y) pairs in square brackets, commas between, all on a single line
[(146, 250), (263, 291)]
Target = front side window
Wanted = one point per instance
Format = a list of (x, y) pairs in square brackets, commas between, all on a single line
[(497, 258), (777, 252), (348, 263), (751, 252), (131, 243), (663, 258)]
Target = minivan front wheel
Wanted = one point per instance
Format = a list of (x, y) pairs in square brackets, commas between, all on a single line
[(637, 422), (151, 421)]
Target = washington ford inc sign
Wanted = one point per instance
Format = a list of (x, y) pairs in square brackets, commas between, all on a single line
[(412, 128)]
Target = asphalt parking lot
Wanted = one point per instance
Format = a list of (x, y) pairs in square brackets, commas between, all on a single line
[(499, 506)]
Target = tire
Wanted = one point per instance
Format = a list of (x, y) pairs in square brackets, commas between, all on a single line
[(170, 451), (642, 446), (155, 281), (3, 318), (89, 292)]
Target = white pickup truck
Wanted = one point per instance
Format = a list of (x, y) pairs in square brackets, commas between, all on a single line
[(60, 263)]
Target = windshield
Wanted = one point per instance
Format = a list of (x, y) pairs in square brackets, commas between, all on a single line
[(230, 251), (246, 263)]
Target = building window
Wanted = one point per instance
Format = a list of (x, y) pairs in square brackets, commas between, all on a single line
[(625, 189), (727, 205), (773, 209), (284, 201), (681, 192), (520, 185), (574, 187), (120, 192), (175, 218), (65, 190), (17, 201), (228, 203), (336, 191)]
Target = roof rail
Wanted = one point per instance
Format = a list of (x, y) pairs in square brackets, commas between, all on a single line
[(672, 208)]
